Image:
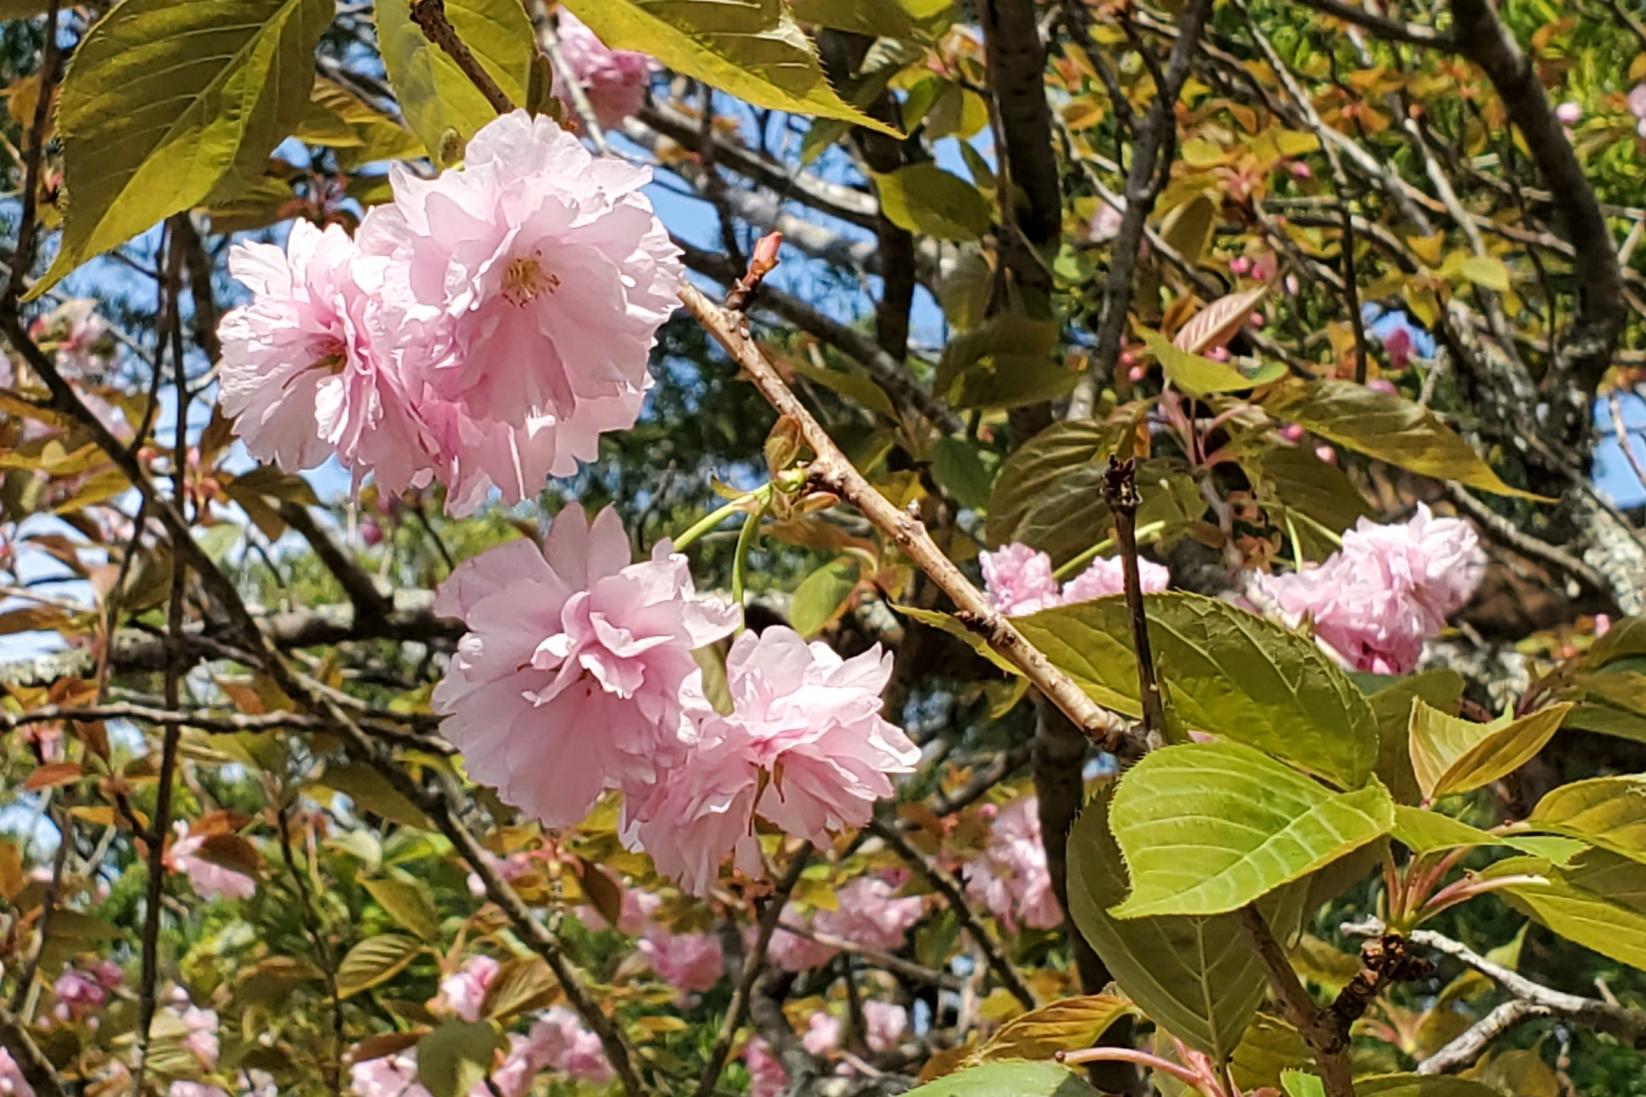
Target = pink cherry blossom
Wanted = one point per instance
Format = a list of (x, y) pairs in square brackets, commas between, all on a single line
[(871, 915), (209, 879), (551, 271), (13, 1084), (317, 363), (1106, 575), (201, 1041), (613, 80), (79, 994), (1105, 225), (793, 951), (1010, 878), (561, 1041), (1018, 579), (194, 1089), (822, 1034), (884, 1024), (575, 658), (767, 1078), (387, 1076), (1569, 113), (463, 992), (1375, 601), (689, 961), (1637, 107)]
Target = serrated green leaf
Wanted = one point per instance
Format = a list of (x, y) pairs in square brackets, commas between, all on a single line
[(821, 596), (1206, 828), (164, 100), (434, 95), (407, 903), (375, 960), (1609, 812), (1598, 901), (1196, 977), (1066, 1025), (944, 622), (1200, 376), (925, 199), (1223, 670), (1420, 1085), (1009, 1080), (885, 18), (1388, 427), (958, 468), (456, 1057), (752, 49), (1423, 831), (1451, 755), (1392, 709)]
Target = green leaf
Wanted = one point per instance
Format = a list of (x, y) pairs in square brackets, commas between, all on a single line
[(925, 199), (165, 99), (359, 132), (375, 960), (854, 387), (1010, 334), (1271, 1046), (752, 49), (877, 18), (1189, 227), (1293, 481), (1223, 670), (434, 95), (407, 903), (456, 1057), (1196, 977), (1609, 812), (521, 984), (1200, 376), (1392, 709), (822, 596), (950, 624), (1424, 831), (1598, 901), (1486, 272), (1066, 1025), (1420, 1085), (1388, 427), (371, 791), (1298, 1084), (957, 466), (1206, 828), (1009, 1080), (1451, 755)]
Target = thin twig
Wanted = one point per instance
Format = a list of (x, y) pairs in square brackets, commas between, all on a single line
[(430, 17), (1120, 491)]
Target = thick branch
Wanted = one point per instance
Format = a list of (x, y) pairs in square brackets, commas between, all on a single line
[(1017, 70), (831, 469)]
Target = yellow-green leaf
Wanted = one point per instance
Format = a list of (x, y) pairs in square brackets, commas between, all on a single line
[(1208, 827), (1599, 901), (1199, 376), (167, 98), (1609, 812), (882, 18), (433, 93), (925, 199), (521, 984), (375, 960), (1486, 272), (1064, 1025), (752, 49), (821, 596), (407, 903), (1017, 1079), (455, 1058), (1388, 427), (1450, 754)]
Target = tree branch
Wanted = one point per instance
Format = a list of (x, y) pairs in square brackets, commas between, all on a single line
[(1328, 1043)]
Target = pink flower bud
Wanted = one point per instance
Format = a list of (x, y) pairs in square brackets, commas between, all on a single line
[(1239, 265), (1292, 432), (371, 533), (1569, 113), (1128, 359), (1257, 320), (1381, 384), (1136, 374), (1299, 170), (1326, 454), (1218, 354)]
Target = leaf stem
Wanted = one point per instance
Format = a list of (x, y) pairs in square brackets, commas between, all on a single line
[(745, 540), (711, 520)]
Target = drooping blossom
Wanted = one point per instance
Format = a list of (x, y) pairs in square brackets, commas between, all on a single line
[(12, 1082), (884, 1024), (767, 1078), (209, 879), (614, 81), (822, 1034), (804, 746), (1389, 588), (463, 992), (569, 679), (551, 275), (689, 961), (323, 361), (561, 1041), (1019, 580), (1010, 877), (871, 915)]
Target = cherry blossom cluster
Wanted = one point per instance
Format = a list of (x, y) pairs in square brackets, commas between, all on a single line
[(557, 1041), (1019, 580), (1389, 588), (613, 81), (1010, 878), (868, 913), (576, 676), (482, 330)]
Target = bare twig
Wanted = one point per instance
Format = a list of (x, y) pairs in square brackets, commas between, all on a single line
[(1120, 491)]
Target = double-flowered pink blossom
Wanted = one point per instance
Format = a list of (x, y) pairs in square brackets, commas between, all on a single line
[(562, 1042), (463, 992), (790, 951), (482, 330), (1019, 580), (689, 961), (870, 914), (209, 879), (804, 747), (767, 1078), (1389, 588), (884, 1024), (81, 992), (614, 81), (558, 1042), (569, 679), (1010, 878)]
